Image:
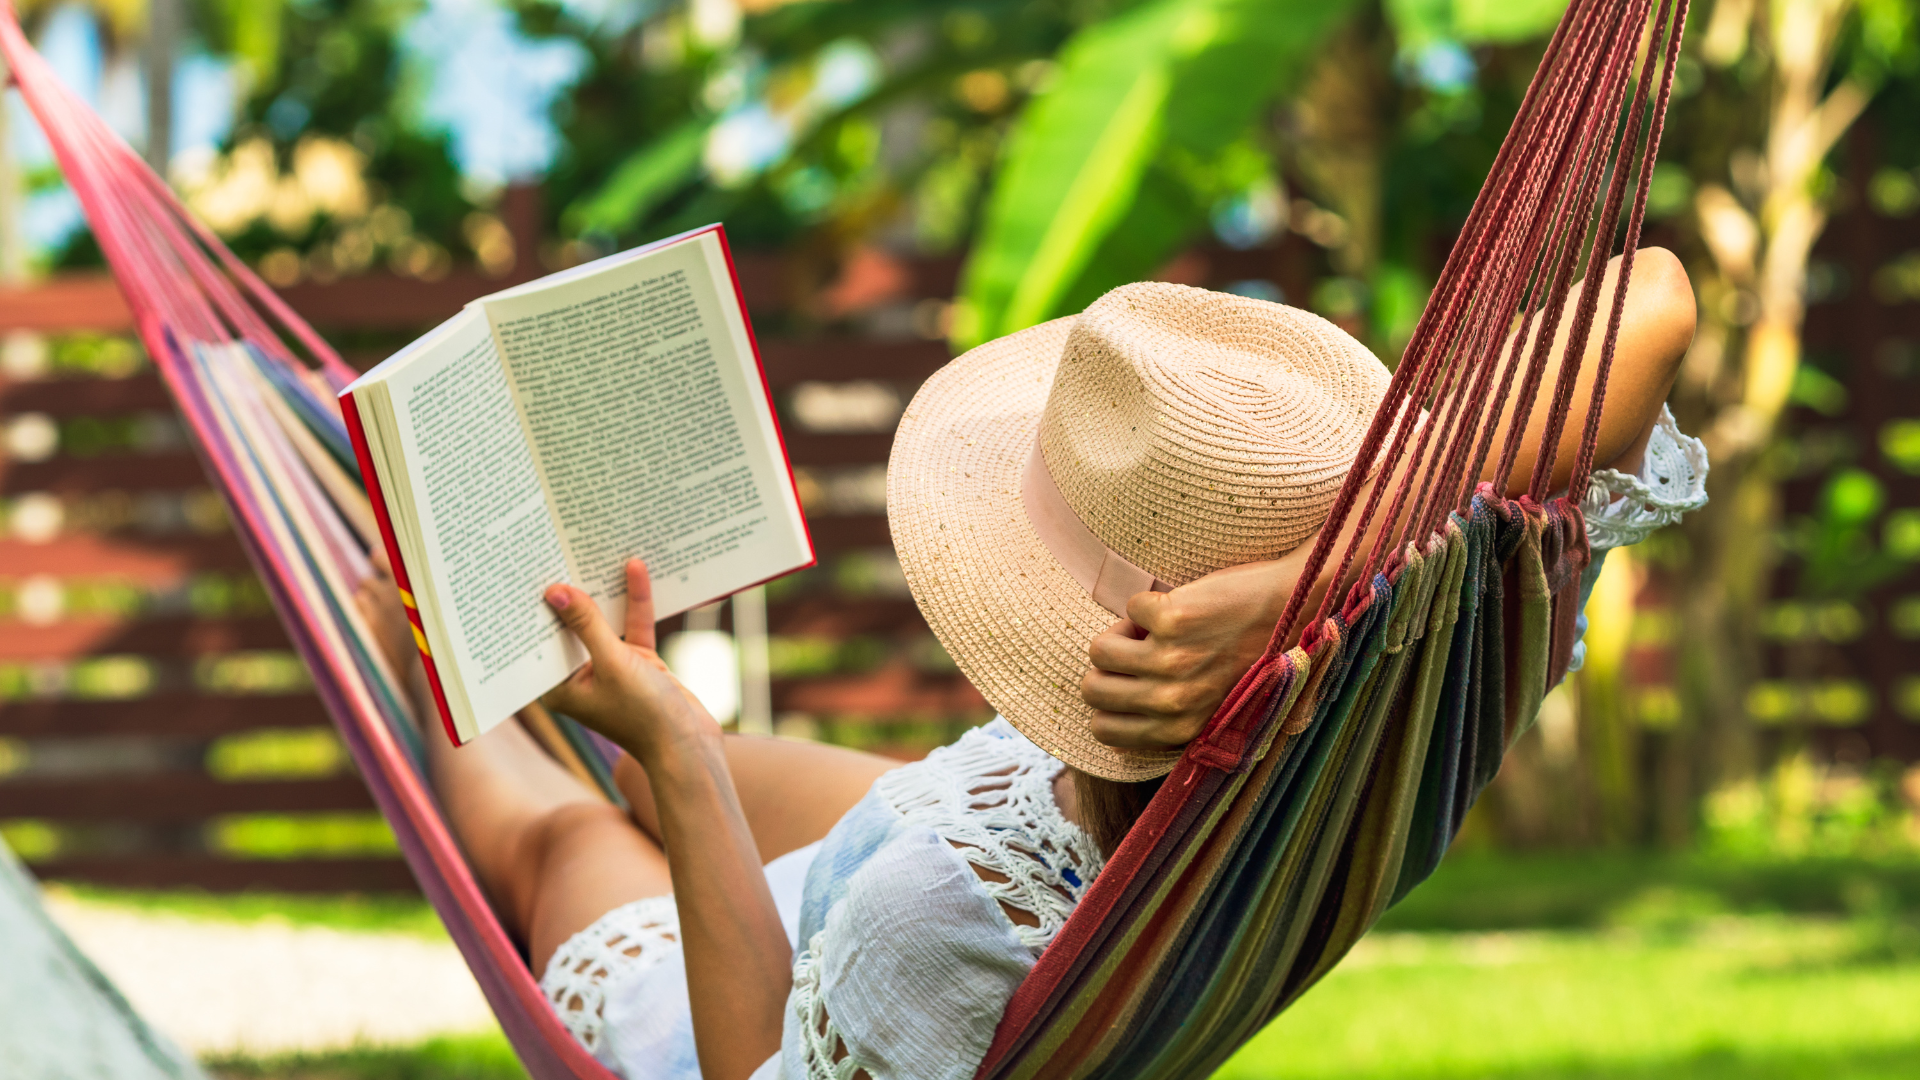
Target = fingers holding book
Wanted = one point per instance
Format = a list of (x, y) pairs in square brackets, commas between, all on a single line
[(624, 690)]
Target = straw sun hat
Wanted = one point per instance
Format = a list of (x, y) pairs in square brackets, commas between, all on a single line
[(1040, 480)]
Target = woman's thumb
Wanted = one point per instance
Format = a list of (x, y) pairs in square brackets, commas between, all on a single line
[(578, 613)]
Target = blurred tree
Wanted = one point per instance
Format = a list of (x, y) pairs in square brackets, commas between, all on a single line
[(1149, 123), (1775, 87), (1153, 129), (808, 124)]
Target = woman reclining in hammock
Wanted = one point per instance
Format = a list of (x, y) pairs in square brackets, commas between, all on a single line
[(807, 911)]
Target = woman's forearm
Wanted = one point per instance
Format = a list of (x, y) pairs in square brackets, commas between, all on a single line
[(737, 956), (739, 963), (1656, 327)]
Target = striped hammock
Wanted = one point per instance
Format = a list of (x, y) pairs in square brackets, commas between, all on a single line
[(1335, 775)]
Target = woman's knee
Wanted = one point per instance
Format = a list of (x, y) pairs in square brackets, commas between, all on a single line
[(556, 847), (565, 830)]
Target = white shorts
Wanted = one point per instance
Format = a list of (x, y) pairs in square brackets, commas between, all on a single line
[(620, 985)]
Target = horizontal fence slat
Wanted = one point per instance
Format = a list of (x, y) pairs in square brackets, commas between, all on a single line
[(158, 871), (92, 302), (179, 714), (131, 556), (171, 637), (85, 302), (805, 448), (894, 692), (789, 362), (178, 471), (143, 392), (840, 616), (174, 797), (832, 535)]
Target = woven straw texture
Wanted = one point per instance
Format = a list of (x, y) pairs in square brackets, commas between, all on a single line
[(1189, 430)]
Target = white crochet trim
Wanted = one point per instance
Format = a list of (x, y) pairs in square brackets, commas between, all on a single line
[(631, 938), (990, 795), (825, 1054), (1622, 509)]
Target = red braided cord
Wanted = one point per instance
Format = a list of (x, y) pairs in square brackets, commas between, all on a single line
[(1590, 436)]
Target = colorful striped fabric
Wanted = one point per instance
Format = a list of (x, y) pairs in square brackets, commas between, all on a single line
[(1331, 781)]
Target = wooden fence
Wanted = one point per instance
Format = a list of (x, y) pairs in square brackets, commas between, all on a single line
[(155, 728)]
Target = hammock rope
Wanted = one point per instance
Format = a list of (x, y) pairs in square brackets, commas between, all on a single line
[(1330, 782), (1335, 775)]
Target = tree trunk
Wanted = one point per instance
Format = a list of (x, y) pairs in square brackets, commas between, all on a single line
[(1737, 379)]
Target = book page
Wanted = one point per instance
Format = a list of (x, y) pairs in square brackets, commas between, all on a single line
[(651, 427), (488, 542)]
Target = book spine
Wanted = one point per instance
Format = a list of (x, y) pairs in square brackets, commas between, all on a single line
[(766, 388), (350, 412)]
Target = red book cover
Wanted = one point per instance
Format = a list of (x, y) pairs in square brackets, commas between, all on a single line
[(350, 412)]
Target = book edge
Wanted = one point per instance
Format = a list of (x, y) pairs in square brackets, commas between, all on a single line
[(350, 414), (766, 389), (592, 267)]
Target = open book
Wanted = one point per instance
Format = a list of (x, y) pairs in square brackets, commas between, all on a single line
[(550, 433)]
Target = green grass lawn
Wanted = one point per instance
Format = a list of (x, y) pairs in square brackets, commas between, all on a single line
[(463, 1057), (1732, 996), (1595, 967)]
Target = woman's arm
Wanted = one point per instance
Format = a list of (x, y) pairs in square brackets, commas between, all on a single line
[(738, 961), (1159, 674)]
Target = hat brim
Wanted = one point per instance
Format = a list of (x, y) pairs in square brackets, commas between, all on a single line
[(1017, 624)]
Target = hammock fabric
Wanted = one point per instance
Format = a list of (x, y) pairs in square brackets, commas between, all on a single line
[(1333, 778)]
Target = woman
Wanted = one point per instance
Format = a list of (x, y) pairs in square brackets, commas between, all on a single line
[(1165, 457)]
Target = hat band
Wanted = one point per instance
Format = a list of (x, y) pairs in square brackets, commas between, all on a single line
[(1106, 574)]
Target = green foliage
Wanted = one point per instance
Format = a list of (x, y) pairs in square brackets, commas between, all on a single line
[(1900, 443), (1884, 41), (1109, 171), (301, 836), (1419, 23), (1804, 810), (1505, 20), (632, 169), (642, 182), (276, 754), (249, 30), (1836, 544)]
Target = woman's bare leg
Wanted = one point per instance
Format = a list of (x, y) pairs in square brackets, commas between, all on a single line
[(552, 855), (791, 792)]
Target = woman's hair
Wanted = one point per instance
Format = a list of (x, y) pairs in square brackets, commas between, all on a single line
[(1108, 808)]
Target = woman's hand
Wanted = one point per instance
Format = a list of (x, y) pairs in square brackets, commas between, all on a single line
[(625, 691), (1161, 673), (737, 954)]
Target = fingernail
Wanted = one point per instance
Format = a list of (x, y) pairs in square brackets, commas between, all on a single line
[(557, 596)]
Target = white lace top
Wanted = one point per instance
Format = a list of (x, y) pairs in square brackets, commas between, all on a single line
[(910, 943), (1622, 510)]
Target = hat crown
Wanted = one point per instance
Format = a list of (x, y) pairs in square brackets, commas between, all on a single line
[(1192, 430)]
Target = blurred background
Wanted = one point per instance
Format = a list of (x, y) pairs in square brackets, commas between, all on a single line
[(1704, 860)]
